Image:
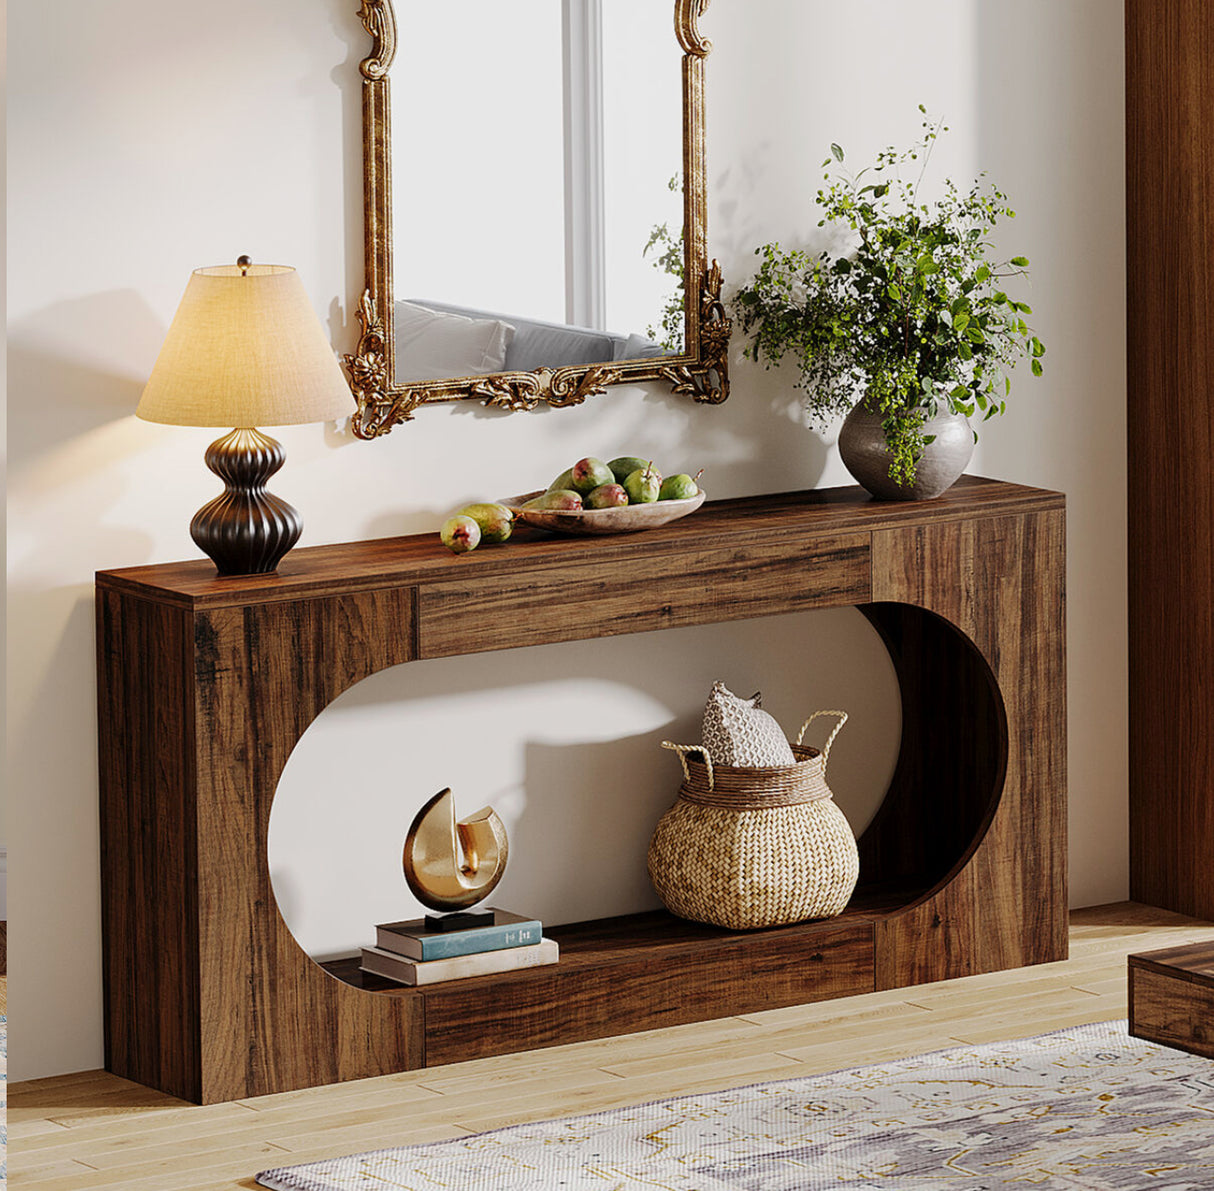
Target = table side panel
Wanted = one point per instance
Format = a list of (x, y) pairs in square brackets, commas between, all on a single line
[(149, 902), (1001, 581), (263, 675)]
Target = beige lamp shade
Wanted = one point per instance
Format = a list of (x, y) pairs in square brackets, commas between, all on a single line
[(245, 349)]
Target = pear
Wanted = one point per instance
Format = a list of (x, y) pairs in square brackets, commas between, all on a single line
[(460, 534), (564, 480), (679, 487), (561, 499), (607, 496), (588, 474), (495, 521), (643, 485), (624, 466)]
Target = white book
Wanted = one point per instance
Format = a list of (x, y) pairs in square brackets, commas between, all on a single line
[(458, 967)]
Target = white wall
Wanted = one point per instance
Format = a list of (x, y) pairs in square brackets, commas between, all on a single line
[(147, 139)]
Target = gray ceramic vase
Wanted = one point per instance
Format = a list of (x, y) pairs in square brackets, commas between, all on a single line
[(864, 453)]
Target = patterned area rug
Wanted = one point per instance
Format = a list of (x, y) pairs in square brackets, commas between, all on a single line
[(1088, 1109)]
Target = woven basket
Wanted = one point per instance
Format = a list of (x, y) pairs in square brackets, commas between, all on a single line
[(750, 847)]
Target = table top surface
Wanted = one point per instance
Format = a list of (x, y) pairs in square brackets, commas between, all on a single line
[(421, 558), (1192, 961)]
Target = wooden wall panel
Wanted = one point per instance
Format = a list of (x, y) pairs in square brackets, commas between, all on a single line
[(1170, 308)]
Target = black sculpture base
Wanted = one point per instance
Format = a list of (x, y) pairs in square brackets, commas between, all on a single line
[(246, 530)]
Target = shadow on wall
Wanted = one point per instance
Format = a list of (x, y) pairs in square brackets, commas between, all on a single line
[(54, 398), (564, 742)]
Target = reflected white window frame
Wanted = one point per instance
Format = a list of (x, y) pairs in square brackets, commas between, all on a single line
[(585, 182)]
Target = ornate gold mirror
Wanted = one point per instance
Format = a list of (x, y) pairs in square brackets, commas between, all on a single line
[(535, 206)]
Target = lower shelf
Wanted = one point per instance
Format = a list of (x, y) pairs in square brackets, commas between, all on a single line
[(639, 972)]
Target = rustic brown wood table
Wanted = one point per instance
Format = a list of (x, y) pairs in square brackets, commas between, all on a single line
[(205, 685)]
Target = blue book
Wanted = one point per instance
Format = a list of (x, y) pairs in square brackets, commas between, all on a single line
[(415, 940)]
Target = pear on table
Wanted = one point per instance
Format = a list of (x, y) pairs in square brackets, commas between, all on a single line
[(607, 496), (643, 485), (460, 534), (556, 498)]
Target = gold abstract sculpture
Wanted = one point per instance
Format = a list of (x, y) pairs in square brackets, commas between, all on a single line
[(450, 864)]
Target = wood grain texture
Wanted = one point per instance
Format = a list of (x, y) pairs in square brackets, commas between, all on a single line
[(1191, 962), (671, 589), (421, 559), (638, 972), (261, 993), (1001, 582), (149, 900), (1171, 997), (208, 995), (243, 667), (1170, 253), (647, 989)]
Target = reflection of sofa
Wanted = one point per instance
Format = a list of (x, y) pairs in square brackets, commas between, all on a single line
[(436, 340)]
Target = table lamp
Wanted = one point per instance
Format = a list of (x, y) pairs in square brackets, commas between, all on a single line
[(245, 349)]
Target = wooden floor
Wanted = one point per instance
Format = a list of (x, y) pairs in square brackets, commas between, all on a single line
[(93, 1130)]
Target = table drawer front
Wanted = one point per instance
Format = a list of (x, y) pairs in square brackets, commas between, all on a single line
[(574, 602)]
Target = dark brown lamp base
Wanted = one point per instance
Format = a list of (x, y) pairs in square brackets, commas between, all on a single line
[(246, 530)]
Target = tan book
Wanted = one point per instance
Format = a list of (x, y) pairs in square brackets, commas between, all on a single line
[(459, 967)]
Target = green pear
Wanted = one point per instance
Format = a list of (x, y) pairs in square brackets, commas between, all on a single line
[(607, 496), (643, 485), (588, 474), (460, 534), (679, 487), (624, 466), (495, 521), (564, 480), (560, 499)]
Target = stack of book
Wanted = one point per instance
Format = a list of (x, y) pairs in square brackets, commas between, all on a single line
[(428, 950)]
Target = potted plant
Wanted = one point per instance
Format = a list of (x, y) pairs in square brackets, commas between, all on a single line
[(908, 327)]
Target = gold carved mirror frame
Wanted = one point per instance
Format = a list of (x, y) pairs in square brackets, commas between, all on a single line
[(700, 371)]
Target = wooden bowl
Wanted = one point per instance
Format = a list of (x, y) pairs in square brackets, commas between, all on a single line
[(626, 519)]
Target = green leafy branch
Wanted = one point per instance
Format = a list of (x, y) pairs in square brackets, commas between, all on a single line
[(913, 319), (670, 259)]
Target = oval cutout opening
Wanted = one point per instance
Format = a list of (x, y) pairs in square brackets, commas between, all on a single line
[(563, 741)]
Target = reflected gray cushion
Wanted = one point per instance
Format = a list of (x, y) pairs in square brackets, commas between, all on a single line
[(639, 347), (435, 345), (539, 344)]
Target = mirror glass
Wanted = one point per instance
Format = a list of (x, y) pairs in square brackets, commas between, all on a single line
[(536, 180)]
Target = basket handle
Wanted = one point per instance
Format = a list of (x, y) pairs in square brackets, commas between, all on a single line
[(683, 750), (830, 739)]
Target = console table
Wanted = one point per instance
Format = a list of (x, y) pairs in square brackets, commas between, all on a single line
[(206, 684)]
